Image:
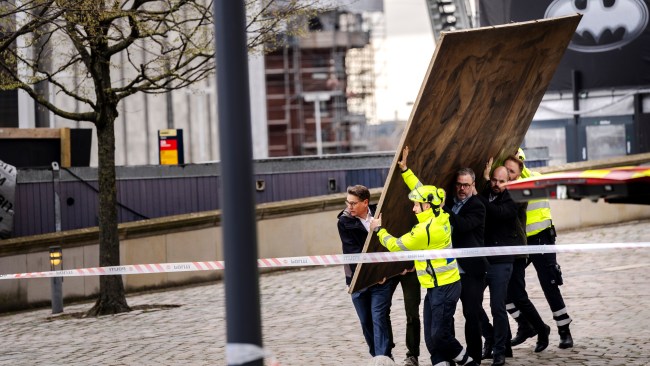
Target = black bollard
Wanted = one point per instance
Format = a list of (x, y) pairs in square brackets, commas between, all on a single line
[(56, 263)]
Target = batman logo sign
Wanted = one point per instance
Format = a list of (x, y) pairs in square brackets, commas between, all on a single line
[(606, 24)]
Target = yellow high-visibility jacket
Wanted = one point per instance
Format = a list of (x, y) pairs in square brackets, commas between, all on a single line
[(538, 212), (432, 232)]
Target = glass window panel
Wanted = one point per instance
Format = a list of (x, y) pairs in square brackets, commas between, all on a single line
[(605, 141), (553, 138)]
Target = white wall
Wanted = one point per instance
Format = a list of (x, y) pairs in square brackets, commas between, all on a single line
[(403, 58), (259, 127), (142, 116)]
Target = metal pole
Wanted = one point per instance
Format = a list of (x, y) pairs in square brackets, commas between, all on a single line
[(640, 131), (319, 138), (243, 316), (56, 178), (577, 152), (57, 294), (56, 283)]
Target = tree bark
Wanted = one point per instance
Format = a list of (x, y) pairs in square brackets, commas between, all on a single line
[(111, 299)]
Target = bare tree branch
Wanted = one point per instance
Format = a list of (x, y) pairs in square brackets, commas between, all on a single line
[(77, 47)]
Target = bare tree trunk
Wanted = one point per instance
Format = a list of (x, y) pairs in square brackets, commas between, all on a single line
[(111, 289)]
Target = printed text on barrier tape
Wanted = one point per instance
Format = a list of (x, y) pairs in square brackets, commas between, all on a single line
[(334, 259)]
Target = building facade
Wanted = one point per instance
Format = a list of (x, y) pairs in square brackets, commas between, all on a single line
[(320, 87)]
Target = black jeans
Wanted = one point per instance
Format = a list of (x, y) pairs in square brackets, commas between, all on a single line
[(373, 308), (518, 297), (497, 279), (438, 313), (471, 296), (412, 298), (549, 277)]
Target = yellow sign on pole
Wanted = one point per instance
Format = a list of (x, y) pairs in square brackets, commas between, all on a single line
[(170, 147)]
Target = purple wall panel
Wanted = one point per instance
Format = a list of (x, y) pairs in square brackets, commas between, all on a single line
[(157, 197), (34, 212), (178, 195), (207, 189), (23, 215), (128, 194), (192, 201), (156, 191), (71, 214), (79, 204), (147, 194), (46, 209)]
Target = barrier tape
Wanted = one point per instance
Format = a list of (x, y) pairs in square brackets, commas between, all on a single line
[(324, 260)]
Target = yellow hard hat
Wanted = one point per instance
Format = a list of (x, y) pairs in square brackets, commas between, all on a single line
[(426, 194), (441, 193), (521, 155)]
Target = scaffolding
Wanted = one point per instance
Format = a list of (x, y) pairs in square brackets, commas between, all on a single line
[(335, 60)]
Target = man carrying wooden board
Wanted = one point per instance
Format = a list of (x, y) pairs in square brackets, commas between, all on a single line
[(372, 304), (440, 277)]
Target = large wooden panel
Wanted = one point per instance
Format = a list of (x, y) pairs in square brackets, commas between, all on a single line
[(478, 98)]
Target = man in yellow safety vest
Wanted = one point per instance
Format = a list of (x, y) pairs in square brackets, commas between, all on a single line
[(540, 231)]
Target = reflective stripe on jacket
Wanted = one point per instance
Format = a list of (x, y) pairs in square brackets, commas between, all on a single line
[(538, 213)]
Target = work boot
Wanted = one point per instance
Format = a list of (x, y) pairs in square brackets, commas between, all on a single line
[(499, 360), (468, 362), (524, 331), (566, 341), (542, 339), (487, 350), (411, 361)]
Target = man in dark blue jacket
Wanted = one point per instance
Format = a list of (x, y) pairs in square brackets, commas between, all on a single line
[(467, 218)]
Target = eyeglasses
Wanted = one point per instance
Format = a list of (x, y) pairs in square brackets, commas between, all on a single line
[(352, 204), (463, 185)]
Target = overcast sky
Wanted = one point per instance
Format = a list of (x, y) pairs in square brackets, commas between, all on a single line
[(402, 59)]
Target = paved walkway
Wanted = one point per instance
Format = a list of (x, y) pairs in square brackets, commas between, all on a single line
[(309, 319)]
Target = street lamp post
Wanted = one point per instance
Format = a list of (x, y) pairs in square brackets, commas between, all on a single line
[(243, 314), (317, 98)]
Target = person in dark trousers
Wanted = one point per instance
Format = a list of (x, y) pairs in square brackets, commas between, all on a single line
[(439, 276), (540, 231), (467, 218), (412, 298), (500, 230), (372, 304), (519, 306)]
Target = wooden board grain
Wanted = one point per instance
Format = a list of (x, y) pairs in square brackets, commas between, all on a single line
[(478, 98)]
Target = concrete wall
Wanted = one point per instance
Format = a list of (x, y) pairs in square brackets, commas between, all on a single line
[(290, 228), (569, 215)]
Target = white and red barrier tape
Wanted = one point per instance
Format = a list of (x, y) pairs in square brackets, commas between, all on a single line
[(323, 260)]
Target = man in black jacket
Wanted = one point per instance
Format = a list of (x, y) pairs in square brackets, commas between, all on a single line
[(373, 303), (501, 229), (467, 218), (529, 322)]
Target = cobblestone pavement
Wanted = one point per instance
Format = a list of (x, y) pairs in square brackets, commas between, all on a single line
[(308, 318)]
